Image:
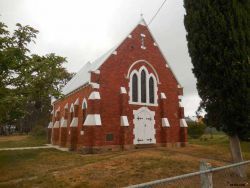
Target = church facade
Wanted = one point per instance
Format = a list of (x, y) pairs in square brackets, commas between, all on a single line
[(127, 98)]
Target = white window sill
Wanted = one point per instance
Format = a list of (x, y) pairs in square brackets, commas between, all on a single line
[(143, 104)]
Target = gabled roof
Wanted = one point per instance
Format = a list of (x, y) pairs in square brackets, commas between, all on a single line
[(83, 76)]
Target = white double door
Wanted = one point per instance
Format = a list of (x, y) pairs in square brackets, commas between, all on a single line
[(144, 130)]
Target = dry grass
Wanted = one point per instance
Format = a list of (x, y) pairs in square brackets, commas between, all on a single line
[(21, 141), (52, 168), (13, 138)]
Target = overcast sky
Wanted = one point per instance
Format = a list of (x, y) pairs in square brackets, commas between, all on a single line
[(82, 30)]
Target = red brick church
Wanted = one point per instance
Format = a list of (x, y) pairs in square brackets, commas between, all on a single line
[(127, 98)]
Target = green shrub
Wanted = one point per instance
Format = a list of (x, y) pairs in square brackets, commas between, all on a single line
[(39, 131), (196, 130)]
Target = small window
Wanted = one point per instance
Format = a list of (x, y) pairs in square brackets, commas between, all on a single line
[(143, 86), (71, 116), (135, 88), (109, 137), (84, 112), (151, 90)]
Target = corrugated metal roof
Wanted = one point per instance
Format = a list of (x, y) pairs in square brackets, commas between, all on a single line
[(83, 76)]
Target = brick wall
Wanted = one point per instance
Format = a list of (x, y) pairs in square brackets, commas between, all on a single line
[(113, 76)]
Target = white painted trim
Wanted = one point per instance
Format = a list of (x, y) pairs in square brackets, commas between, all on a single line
[(123, 90), (142, 104), (52, 112), (163, 96), (143, 35), (76, 102), (165, 122), (130, 36), (155, 88), (84, 102), (81, 132), (95, 95), (96, 71), (155, 44), (151, 66), (143, 109), (167, 66), (124, 121), (52, 100), (63, 122), (183, 123), (74, 122), (139, 84), (178, 86), (138, 73), (56, 124), (66, 106), (143, 47), (71, 108), (143, 22), (180, 104), (114, 53), (95, 85), (93, 120), (180, 97), (50, 125), (58, 110), (141, 132)]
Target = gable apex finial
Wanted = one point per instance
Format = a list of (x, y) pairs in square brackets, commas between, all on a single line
[(142, 20)]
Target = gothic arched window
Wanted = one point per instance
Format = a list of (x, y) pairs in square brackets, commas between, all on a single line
[(143, 87), (151, 90), (84, 111), (135, 88), (71, 113)]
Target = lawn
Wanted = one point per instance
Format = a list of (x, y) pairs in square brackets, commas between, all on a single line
[(22, 141), (53, 168)]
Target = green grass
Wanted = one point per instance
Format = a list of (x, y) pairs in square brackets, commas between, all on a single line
[(221, 142), (22, 141), (53, 168)]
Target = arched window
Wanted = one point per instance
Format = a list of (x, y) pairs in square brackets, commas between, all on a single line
[(84, 111), (143, 87), (151, 90), (135, 88), (71, 113)]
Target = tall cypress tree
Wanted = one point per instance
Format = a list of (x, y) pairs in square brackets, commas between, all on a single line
[(218, 35)]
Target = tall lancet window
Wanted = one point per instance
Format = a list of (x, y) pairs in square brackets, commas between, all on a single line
[(84, 111), (71, 113), (135, 88), (143, 87), (151, 90)]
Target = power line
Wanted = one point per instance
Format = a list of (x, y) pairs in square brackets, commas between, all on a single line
[(157, 12)]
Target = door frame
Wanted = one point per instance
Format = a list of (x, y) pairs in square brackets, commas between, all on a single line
[(152, 115)]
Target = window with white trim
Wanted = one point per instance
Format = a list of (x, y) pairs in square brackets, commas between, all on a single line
[(84, 110), (134, 88), (143, 87), (71, 113), (151, 90)]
